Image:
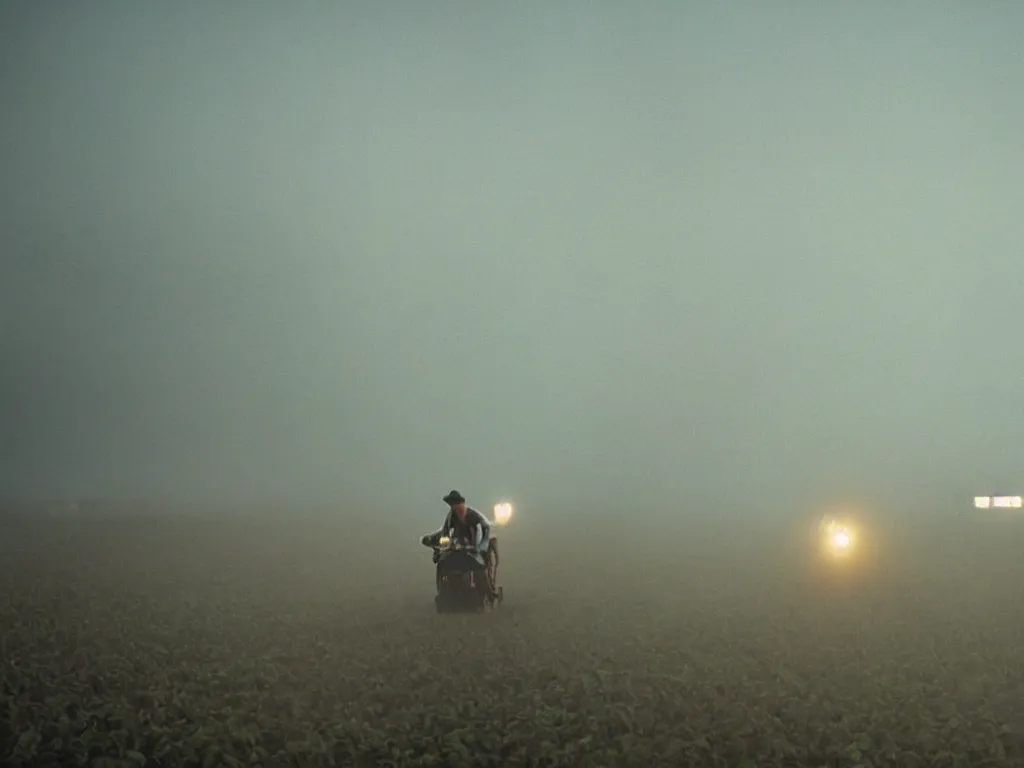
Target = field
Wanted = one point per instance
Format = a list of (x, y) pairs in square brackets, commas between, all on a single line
[(176, 643)]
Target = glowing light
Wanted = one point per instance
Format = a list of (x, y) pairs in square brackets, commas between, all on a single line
[(998, 502), (839, 540), (502, 513)]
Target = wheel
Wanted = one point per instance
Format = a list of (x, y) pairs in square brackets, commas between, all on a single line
[(478, 600)]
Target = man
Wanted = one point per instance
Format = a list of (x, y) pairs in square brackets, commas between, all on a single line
[(465, 524)]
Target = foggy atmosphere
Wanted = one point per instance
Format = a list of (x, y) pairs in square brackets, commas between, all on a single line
[(708, 313)]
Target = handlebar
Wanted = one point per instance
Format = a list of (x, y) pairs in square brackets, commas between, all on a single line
[(454, 546)]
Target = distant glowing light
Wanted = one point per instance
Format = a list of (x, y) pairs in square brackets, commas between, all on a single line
[(502, 513), (998, 502)]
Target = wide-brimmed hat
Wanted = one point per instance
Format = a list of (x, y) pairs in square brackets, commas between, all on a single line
[(454, 497)]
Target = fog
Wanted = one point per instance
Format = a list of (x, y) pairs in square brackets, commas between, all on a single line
[(676, 254)]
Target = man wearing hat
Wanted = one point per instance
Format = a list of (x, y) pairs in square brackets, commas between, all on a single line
[(465, 524)]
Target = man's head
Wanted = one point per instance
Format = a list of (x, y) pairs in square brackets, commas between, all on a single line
[(457, 502)]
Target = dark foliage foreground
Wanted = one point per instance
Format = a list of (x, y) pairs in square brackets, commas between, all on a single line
[(195, 644)]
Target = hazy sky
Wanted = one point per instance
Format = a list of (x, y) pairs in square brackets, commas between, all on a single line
[(550, 250)]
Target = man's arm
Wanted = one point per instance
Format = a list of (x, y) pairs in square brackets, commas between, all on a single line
[(485, 531), (431, 539)]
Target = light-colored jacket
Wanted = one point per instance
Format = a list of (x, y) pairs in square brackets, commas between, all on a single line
[(480, 525)]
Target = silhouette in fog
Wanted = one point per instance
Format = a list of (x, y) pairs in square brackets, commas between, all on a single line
[(471, 528)]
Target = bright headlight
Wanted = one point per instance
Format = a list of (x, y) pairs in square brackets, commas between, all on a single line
[(502, 513), (840, 541)]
